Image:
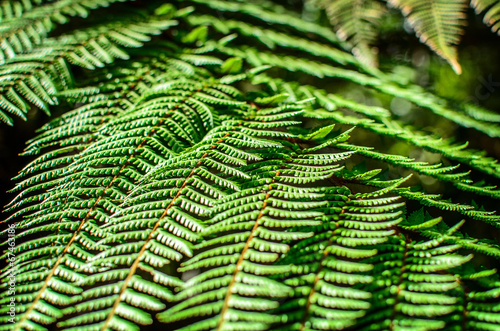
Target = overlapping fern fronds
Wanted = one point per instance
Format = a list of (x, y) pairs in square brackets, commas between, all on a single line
[(35, 76), (196, 183), (438, 23)]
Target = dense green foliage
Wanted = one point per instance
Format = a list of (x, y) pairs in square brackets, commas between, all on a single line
[(209, 173)]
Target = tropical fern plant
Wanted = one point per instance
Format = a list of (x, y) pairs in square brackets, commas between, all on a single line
[(208, 173)]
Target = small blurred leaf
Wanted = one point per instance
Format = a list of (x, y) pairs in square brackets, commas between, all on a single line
[(198, 34), (166, 9), (232, 65)]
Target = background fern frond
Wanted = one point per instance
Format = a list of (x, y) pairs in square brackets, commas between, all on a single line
[(437, 23), (491, 10), (12, 9), (357, 22)]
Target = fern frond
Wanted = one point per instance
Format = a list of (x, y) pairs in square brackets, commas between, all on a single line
[(271, 39), (480, 292), (244, 237), (438, 23), (188, 188), (278, 15), (491, 10), (22, 31), (433, 228), (409, 134), (36, 77), (480, 113), (429, 200), (123, 151), (166, 211), (414, 286), (357, 22), (12, 9), (327, 271), (380, 122), (415, 94)]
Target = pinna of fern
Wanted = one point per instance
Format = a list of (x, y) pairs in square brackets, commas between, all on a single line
[(197, 185)]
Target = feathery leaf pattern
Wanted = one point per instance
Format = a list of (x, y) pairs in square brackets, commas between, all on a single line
[(193, 182)]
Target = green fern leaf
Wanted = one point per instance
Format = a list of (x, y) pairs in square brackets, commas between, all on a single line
[(438, 24)]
